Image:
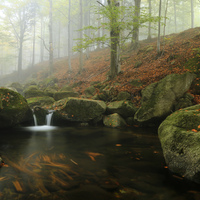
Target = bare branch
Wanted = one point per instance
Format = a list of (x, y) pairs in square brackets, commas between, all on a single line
[(44, 44), (100, 3)]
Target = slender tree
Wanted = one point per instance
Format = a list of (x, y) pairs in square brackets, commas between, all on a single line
[(159, 27), (135, 35), (149, 27), (81, 35), (192, 14), (69, 37), (50, 38), (175, 17), (114, 37)]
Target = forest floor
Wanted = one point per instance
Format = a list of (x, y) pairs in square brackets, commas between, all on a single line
[(180, 53)]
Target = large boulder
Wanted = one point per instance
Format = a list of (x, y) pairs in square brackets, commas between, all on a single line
[(83, 110), (179, 135), (114, 121), (14, 109), (18, 87), (65, 94), (40, 101), (123, 108), (159, 99), (33, 91)]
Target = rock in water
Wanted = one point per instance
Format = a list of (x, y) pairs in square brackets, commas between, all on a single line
[(83, 110), (179, 135), (14, 109), (114, 120), (158, 99)]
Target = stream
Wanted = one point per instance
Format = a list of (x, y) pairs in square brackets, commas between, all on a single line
[(87, 163)]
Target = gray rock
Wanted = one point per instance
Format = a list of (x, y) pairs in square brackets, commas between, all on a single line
[(159, 99), (179, 135)]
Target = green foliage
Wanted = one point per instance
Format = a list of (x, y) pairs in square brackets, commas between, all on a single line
[(121, 19)]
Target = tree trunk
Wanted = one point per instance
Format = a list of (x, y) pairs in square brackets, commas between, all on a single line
[(21, 40), (99, 22), (158, 41), (59, 31), (114, 37), (69, 37), (81, 36), (192, 14), (149, 28), (41, 41), (34, 25), (175, 17), (50, 39), (136, 21)]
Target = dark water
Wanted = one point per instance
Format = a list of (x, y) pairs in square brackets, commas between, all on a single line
[(87, 164)]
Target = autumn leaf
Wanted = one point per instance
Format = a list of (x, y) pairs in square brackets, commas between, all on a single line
[(194, 130), (92, 155)]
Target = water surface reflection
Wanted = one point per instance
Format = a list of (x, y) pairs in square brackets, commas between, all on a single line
[(86, 163)]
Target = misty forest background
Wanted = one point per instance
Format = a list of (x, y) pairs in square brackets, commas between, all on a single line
[(33, 31)]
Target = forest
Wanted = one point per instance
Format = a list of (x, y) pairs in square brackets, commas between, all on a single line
[(100, 99), (33, 31)]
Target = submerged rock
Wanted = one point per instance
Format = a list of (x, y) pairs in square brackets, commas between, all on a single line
[(179, 135), (14, 109), (159, 99), (114, 120)]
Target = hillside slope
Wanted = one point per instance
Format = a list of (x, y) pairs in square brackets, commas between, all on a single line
[(181, 53)]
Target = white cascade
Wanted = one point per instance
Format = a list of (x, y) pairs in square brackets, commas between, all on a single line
[(49, 118), (35, 120)]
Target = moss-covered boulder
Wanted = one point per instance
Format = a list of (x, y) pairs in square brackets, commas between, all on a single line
[(184, 102), (40, 101), (18, 87), (90, 91), (83, 110), (50, 92), (14, 109), (123, 96), (66, 88), (114, 121), (159, 99), (108, 93), (123, 108), (33, 91), (65, 94), (179, 135)]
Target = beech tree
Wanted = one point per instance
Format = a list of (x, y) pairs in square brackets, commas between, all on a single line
[(136, 25)]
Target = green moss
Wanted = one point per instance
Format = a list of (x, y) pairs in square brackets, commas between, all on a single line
[(40, 101), (83, 109), (11, 100)]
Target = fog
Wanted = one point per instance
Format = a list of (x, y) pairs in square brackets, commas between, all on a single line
[(33, 31)]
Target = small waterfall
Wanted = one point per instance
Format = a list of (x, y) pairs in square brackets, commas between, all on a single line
[(35, 120), (49, 117)]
